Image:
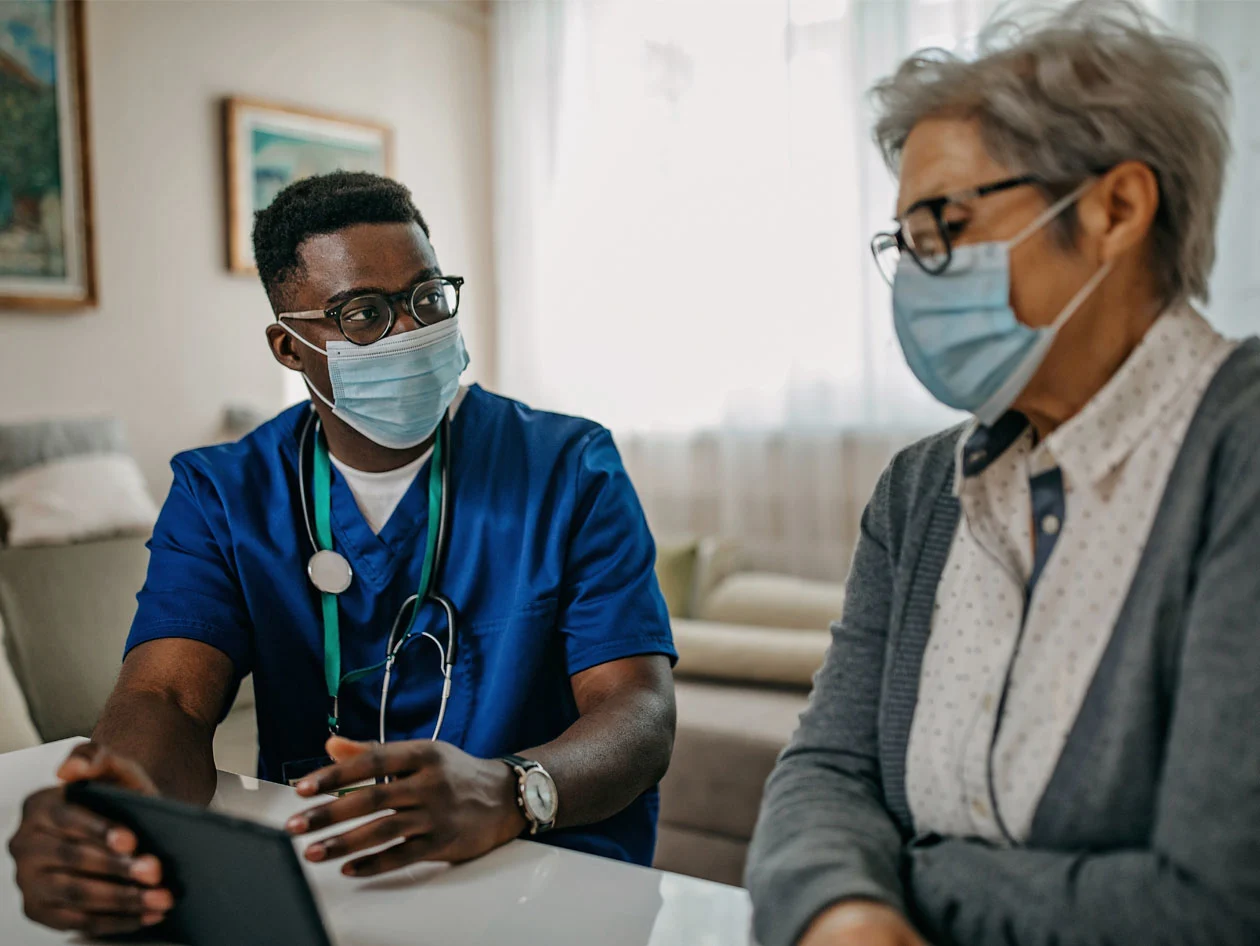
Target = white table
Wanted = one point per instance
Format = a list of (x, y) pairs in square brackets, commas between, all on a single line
[(523, 893)]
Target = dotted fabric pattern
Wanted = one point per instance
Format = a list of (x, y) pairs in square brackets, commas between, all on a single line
[(1115, 457)]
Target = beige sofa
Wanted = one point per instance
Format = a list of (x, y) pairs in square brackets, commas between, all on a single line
[(65, 612), (748, 645)]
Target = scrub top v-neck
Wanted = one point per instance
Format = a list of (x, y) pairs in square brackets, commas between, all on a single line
[(550, 567)]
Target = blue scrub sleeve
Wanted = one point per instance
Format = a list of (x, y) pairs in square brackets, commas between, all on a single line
[(191, 590), (612, 606)]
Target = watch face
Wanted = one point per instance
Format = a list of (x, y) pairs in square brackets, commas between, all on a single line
[(540, 796)]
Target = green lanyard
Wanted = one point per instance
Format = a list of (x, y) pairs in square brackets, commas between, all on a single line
[(322, 475)]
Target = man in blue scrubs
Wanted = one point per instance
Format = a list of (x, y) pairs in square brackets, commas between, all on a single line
[(562, 642)]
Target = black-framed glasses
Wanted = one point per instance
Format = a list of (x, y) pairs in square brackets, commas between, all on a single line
[(369, 318), (925, 233)]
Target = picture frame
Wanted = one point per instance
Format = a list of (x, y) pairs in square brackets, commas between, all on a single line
[(47, 245), (268, 146)]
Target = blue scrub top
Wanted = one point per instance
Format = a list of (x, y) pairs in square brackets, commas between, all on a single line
[(550, 568)]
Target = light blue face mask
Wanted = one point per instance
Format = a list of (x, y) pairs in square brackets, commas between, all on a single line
[(395, 391), (959, 333)]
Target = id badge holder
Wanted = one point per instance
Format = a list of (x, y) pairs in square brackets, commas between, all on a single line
[(293, 772)]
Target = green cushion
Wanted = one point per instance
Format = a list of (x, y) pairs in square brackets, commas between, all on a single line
[(675, 572), (67, 610)]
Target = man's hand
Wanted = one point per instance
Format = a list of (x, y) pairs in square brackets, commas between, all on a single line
[(861, 923), (447, 805), (78, 871)]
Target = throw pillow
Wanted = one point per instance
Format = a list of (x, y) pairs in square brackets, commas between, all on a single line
[(75, 499)]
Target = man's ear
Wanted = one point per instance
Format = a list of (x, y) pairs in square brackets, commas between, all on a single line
[(1120, 209), (283, 348)]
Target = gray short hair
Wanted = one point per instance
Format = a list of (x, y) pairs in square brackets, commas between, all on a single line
[(1064, 93)]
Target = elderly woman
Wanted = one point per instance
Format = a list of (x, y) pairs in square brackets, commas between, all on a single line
[(1039, 719)]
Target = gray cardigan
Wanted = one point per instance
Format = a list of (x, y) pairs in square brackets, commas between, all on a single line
[(1149, 830)]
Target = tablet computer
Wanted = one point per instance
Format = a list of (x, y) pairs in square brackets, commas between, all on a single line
[(235, 882)]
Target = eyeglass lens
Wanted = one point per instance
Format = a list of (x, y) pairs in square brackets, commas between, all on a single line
[(368, 319), (923, 231), (887, 255)]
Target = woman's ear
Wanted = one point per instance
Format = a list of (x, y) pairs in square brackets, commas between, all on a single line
[(1119, 211)]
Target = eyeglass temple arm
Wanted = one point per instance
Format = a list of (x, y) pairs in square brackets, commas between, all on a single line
[(937, 204), (308, 314)]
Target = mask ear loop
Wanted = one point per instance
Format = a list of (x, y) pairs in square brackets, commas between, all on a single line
[(1046, 215), (310, 345), (1082, 294), (310, 387), (1004, 395)]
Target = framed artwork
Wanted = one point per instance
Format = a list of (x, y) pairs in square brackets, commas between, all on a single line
[(269, 146), (47, 259)]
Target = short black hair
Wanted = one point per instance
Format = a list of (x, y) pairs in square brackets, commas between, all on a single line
[(324, 203)]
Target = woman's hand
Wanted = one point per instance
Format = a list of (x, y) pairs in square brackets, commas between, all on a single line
[(446, 805), (861, 923)]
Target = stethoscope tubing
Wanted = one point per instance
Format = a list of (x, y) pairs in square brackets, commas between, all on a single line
[(395, 643)]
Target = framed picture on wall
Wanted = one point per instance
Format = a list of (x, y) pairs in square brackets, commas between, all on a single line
[(47, 260), (269, 146)]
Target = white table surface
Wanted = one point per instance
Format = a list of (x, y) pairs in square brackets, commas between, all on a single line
[(523, 893)]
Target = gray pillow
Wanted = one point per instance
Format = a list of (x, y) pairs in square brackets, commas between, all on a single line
[(29, 444)]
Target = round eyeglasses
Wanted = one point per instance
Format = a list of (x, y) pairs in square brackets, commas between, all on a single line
[(370, 317)]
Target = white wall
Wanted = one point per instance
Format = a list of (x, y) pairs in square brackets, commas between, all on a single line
[(177, 337)]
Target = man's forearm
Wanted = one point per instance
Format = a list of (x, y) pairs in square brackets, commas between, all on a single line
[(173, 747), (610, 756)]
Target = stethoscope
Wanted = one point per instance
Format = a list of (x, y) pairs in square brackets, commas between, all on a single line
[(330, 572)]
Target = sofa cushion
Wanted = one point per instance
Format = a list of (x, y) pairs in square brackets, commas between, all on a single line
[(67, 610), (716, 558), (700, 854), (675, 573), (16, 729), (741, 653), (727, 742), (769, 600)]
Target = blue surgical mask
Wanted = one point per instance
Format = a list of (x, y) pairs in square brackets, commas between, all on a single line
[(959, 333), (395, 391)]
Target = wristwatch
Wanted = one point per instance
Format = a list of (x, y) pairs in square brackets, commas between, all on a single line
[(535, 793)]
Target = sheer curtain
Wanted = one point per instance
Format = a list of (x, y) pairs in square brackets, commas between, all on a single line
[(684, 195), (698, 195)]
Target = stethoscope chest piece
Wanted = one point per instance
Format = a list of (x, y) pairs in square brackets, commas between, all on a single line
[(329, 572)]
